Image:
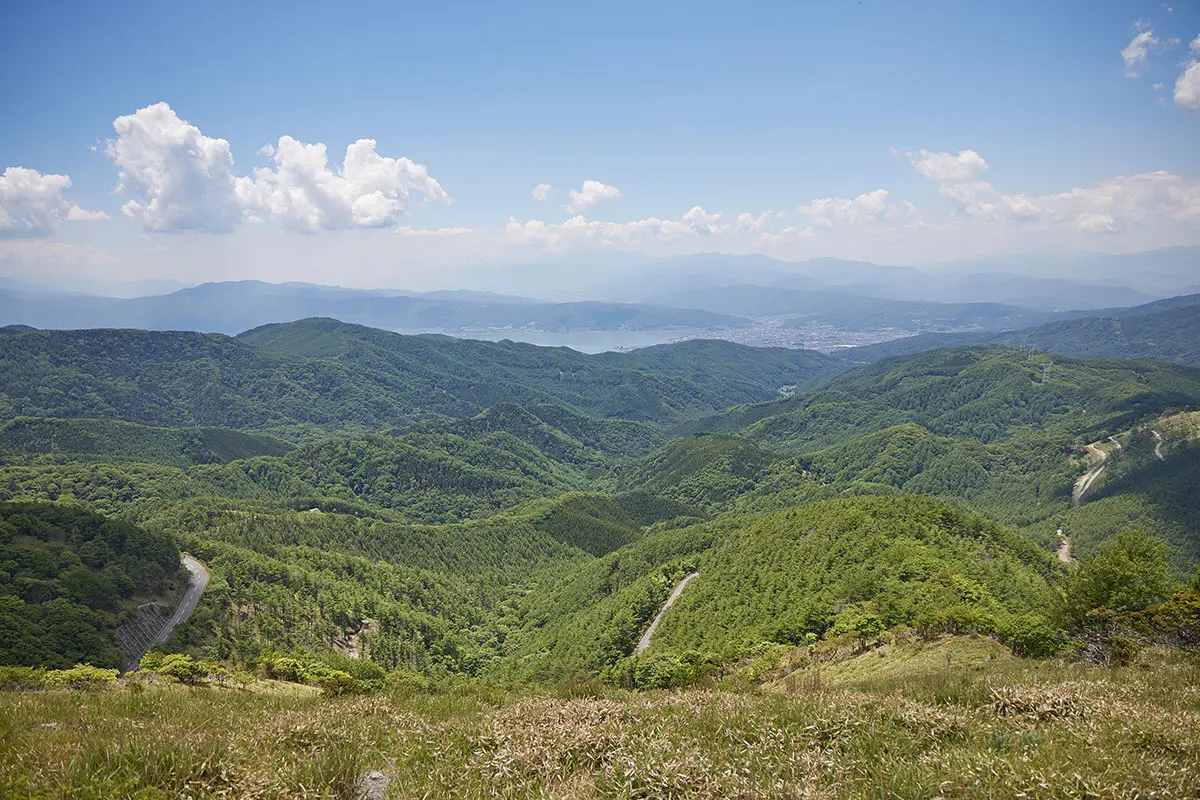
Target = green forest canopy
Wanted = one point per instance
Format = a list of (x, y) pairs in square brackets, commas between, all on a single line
[(471, 508), (68, 577)]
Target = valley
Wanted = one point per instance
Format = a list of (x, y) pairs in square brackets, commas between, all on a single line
[(418, 517)]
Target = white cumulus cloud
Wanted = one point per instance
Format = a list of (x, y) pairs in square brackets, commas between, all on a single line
[(700, 221), (758, 225), (959, 178), (825, 212), (1136, 54), (1108, 206), (944, 167), (179, 178), (542, 191), (1096, 223), (32, 204), (1187, 87), (182, 180), (589, 194), (367, 191), (577, 230)]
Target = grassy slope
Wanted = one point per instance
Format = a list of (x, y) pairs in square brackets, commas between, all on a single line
[(929, 729)]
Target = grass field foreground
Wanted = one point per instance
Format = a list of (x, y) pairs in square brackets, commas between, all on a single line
[(977, 724)]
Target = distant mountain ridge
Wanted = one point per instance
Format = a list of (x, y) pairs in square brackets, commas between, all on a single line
[(1031, 282), (1168, 330), (850, 311), (700, 292), (233, 307)]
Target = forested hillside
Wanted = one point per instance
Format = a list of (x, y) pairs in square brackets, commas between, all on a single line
[(68, 578), (435, 473), (315, 375), (534, 539), (788, 577), (978, 393), (1019, 480), (974, 426), (435, 599), (112, 440), (1138, 489), (705, 471), (837, 565)]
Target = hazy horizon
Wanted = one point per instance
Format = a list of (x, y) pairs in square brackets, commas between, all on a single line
[(484, 279)]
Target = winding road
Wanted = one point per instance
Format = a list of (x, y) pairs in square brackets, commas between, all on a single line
[(1079, 493), (187, 603), (1085, 482), (1064, 547), (149, 625), (644, 642), (1158, 446)]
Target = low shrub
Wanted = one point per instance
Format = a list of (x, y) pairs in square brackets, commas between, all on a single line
[(283, 668), (405, 683), (957, 619), (335, 682), (1122, 651), (81, 676), (668, 670), (185, 669), (349, 676), (1174, 623), (22, 678), (1030, 635), (151, 661)]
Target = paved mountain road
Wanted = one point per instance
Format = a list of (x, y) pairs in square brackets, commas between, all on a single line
[(187, 603), (1079, 493), (1084, 484), (644, 642)]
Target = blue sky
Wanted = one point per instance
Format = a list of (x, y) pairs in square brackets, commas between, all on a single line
[(729, 108)]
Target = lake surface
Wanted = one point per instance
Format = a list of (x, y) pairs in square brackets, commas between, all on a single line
[(583, 341)]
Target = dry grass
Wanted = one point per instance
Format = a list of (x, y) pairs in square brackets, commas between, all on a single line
[(919, 728)]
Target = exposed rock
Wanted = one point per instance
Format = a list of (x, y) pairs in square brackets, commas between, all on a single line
[(373, 785)]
